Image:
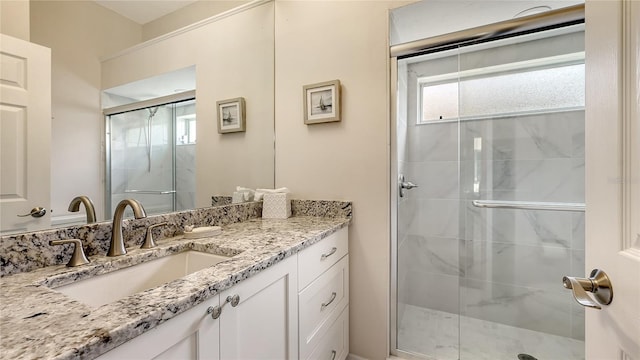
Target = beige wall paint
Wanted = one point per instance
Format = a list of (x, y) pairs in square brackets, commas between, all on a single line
[(347, 40), (14, 18), (227, 67), (78, 33), (187, 15)]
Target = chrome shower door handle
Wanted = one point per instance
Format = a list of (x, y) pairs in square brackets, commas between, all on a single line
[(598, 283), (404, 185)]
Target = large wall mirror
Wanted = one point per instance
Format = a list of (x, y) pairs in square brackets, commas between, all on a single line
[(226, 47)]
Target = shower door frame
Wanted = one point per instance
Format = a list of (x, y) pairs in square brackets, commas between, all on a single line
[(159, 101), (509, 28)]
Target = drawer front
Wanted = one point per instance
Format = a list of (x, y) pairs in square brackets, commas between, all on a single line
[(321, 303), (334, 345), (316, 259)]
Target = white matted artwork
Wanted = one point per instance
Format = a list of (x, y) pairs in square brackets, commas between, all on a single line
[(231, 115), (321, 102)]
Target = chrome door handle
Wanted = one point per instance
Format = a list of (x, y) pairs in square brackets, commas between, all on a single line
[(408, 185), (598, 283), (36, 212)]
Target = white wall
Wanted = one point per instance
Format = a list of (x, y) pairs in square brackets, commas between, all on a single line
[(14, 18), (78, 33), (187, 15), (324, 40), (227, 66)]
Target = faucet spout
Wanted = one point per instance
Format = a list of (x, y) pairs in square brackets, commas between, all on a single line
[(116, 247), (74, 206)]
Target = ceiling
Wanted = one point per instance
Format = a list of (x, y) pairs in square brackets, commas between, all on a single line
[(161, 85), (144, 11)]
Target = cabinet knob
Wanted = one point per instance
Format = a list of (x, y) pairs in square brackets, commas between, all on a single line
[(215, 311)]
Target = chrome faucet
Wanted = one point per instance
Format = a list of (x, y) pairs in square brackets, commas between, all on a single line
[(74, 206), (116, 247)]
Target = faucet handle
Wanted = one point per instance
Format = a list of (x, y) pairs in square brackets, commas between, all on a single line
[(78, 258), (148, 240)]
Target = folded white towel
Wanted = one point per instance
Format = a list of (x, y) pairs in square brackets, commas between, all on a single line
[(247, 193), (260, 192), (202, 232)]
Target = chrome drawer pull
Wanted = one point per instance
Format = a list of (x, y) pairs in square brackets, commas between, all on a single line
[(333, 251), (333, 354), (324, 305)]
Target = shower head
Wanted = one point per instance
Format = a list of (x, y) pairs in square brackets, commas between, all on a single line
[(153, 111)]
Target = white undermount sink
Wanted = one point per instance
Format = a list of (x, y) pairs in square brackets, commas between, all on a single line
[(106, 288)]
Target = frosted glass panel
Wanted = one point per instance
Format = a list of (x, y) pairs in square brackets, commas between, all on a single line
[(440, 102), (549, 89), (545, 89)]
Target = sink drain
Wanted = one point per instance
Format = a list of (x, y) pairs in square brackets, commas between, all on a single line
[(526, 357)]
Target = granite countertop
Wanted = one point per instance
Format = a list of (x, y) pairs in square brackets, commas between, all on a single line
[(37, 322)]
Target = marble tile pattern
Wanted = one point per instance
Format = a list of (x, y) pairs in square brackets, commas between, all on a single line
[(495, 265), (37, 322), (449, 336)]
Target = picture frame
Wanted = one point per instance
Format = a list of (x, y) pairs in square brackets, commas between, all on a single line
[(231, 115), (321, 102)]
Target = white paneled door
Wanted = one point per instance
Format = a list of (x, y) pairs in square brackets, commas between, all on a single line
[(612, 168), (25, 132)]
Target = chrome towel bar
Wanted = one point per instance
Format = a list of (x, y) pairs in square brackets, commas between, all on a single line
[(529, 205), (151, 192)]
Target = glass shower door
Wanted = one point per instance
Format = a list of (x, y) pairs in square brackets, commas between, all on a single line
[(493, 135), (142, 158), (521, 110), (428, 231)]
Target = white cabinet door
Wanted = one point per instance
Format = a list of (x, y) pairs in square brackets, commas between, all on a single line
[(193, 334), (613, 174), (25, 132), (264, 323)]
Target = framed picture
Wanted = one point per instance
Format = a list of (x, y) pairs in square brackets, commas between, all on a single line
[(231, 115), (321, 102)]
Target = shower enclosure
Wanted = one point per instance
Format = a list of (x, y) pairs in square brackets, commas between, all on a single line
[(489, 215), (151, 154)]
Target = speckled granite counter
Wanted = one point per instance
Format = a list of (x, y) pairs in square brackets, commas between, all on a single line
[(37, 322)]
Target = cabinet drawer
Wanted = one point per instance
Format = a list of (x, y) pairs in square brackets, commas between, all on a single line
[(334, 345), (321, 303), (316, 259)]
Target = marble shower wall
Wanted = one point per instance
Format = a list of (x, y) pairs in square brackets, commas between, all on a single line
[(498, 265)]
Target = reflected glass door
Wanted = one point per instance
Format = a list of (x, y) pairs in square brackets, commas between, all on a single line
[(142, 158)]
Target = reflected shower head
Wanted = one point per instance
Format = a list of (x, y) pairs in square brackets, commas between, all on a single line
[(153, 111)]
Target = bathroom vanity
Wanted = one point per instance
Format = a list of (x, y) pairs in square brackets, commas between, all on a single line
[(279, 289)]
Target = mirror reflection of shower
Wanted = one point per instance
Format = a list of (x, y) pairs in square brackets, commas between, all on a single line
[(147, 156), (152, 113), (149, 145)]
